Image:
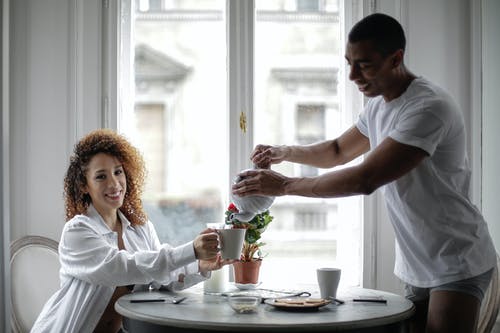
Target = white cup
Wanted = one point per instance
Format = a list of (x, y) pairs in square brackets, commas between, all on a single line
[(231, 242), (328, 281), (215, 225)]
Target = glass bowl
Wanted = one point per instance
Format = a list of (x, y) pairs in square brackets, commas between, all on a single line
[(244, 304)]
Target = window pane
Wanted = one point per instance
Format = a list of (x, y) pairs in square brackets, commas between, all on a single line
[(310, 123), (307, 5), (179, 120), (297, 65)]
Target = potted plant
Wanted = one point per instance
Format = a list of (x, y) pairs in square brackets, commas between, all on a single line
[(247, 269)]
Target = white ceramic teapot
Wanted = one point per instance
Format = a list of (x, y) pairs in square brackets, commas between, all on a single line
[(249, 206)]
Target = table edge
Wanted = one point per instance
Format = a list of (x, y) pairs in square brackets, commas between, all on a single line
[(203, 325)]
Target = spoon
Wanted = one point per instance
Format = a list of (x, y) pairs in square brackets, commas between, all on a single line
[(178, 300)]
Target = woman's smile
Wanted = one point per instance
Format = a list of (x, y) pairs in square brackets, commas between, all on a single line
[(106, 183), (114, 195)]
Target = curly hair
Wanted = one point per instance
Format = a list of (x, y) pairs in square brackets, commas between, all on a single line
[(109, 142)]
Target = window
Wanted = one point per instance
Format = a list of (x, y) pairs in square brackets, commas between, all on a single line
[(310, 128), (150, 123), (307, 5), (310, 221), (184, 126)]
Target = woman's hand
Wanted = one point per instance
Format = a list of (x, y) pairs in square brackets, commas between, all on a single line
[(264, 155), (206, 245), (214, 264)]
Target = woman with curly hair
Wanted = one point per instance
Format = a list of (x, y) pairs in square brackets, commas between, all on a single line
[(108, 247)]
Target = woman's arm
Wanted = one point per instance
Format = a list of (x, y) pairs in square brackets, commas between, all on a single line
[(89, 256)]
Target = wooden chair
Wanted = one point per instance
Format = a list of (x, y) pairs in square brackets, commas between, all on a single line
[(34, 273)]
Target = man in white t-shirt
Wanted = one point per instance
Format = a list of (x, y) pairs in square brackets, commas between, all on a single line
[(414, 133)]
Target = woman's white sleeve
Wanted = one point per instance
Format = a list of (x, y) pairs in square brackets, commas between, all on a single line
[(190, 271), (87, 255)]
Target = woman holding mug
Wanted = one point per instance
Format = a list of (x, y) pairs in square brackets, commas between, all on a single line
[(108, 247)]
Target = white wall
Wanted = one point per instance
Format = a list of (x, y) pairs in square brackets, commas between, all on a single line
[(439, 46), (491, 116), (39, 118), (491, 119), (55, 97)]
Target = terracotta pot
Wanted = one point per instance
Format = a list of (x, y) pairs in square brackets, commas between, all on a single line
[(247, 271)]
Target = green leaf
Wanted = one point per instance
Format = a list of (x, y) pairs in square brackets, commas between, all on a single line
[(252, 236)]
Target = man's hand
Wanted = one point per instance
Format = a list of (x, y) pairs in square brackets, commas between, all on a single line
[(206, 244), (264, 155), (260, 182)]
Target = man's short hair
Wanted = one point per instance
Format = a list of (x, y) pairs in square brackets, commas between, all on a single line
[(386, 33)]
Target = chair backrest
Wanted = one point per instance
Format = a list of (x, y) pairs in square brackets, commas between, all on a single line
[(34, 269), (491, 301)]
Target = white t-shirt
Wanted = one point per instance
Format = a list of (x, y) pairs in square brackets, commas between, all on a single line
[(441, 236), (92, 266)]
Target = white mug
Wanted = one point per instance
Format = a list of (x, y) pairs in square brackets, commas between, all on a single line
[(231, 242), (328, 281)]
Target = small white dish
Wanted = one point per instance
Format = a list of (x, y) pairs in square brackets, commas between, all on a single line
[(247, 286), (244, 304)]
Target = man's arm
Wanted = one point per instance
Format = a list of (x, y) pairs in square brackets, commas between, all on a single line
[(389, 161), (325, 154), (386, 163), (328, 154)]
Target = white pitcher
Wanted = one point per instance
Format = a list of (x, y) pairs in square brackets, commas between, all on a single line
[(249, 206)]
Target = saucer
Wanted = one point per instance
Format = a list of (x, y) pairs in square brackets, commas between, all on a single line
[(247, 286)]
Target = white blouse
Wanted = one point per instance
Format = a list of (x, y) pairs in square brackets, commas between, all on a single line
[(92, 267)]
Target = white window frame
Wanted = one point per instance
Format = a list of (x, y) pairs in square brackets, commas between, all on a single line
[(240, 30)]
